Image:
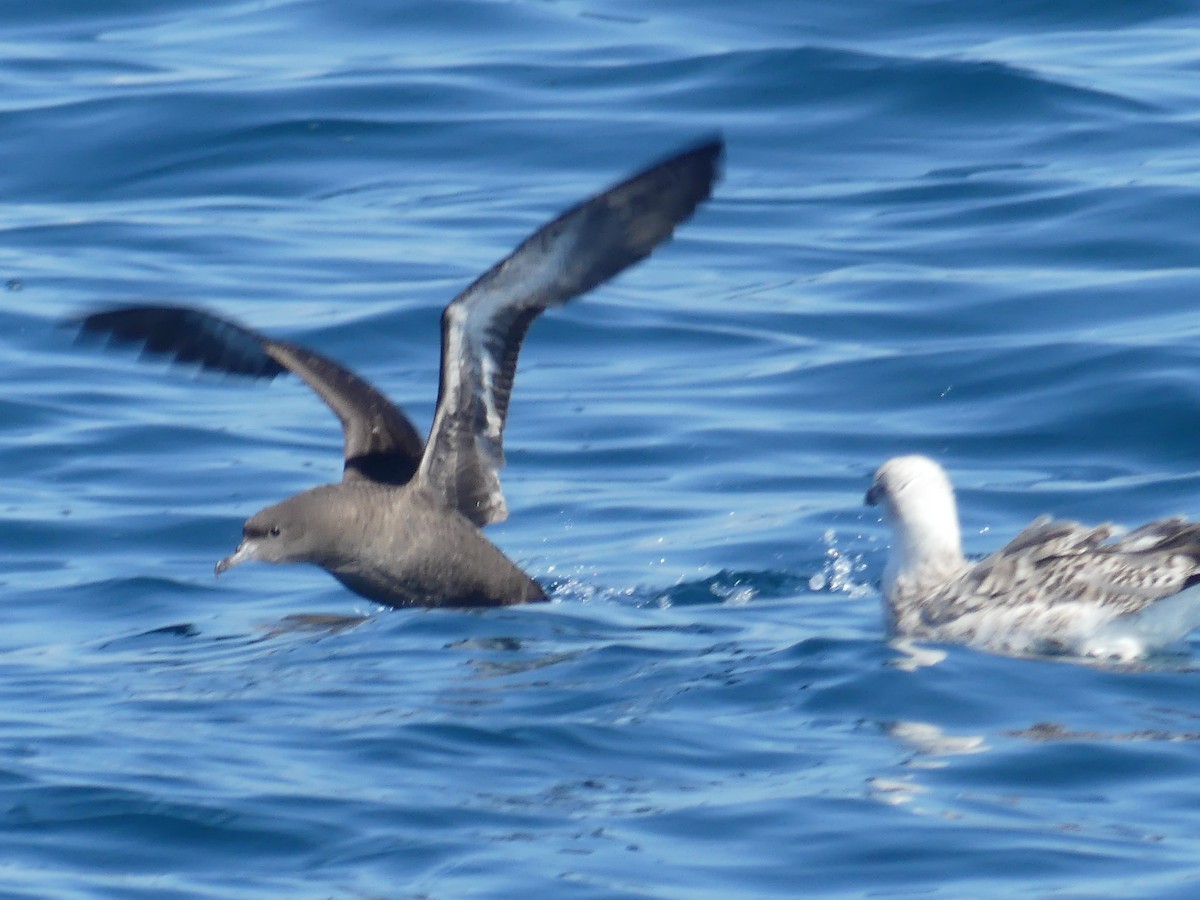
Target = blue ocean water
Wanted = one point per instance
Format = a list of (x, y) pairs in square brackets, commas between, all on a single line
[(964, 229)]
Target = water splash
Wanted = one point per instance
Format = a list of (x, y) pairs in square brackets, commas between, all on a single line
[(842, 572)]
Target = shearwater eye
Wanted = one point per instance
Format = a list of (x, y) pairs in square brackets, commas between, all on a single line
[(274, 531)]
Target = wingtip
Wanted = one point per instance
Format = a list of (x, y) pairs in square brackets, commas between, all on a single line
[(713, 144), (703, 159), (75, 323), (701, 165), (189, 336), (87, 326), (710, 147), (709, 142), (83, 319)]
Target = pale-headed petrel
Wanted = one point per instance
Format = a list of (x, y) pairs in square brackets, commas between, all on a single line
[(1058, 586), (402, 526)]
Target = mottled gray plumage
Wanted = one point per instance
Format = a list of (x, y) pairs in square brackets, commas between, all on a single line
[(1054, 587), (401, 526)]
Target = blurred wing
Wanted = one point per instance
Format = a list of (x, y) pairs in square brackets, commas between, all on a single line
[(381, 443), (186, 335), (483, 327)]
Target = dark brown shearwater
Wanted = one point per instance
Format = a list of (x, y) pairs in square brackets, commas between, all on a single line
[(402, 526)]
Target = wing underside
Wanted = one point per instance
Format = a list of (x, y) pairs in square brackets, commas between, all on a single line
[(483, 328)]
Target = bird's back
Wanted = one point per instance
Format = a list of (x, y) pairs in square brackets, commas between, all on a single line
[(415, 551), (1057, 578)]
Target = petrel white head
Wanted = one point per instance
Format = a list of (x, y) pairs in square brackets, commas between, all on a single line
[(917, 500)]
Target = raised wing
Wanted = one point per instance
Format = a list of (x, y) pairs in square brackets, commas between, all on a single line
[(482, 329), (381, 444)]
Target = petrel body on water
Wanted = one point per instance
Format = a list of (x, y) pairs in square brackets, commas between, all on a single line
[(1058, 586), (402, 526)]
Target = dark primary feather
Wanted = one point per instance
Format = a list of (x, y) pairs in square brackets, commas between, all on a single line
[(187, 335), (482, 329), (381, 444)]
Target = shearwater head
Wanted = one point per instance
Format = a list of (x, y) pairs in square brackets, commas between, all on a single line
[(918, 504), (302, 529)]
